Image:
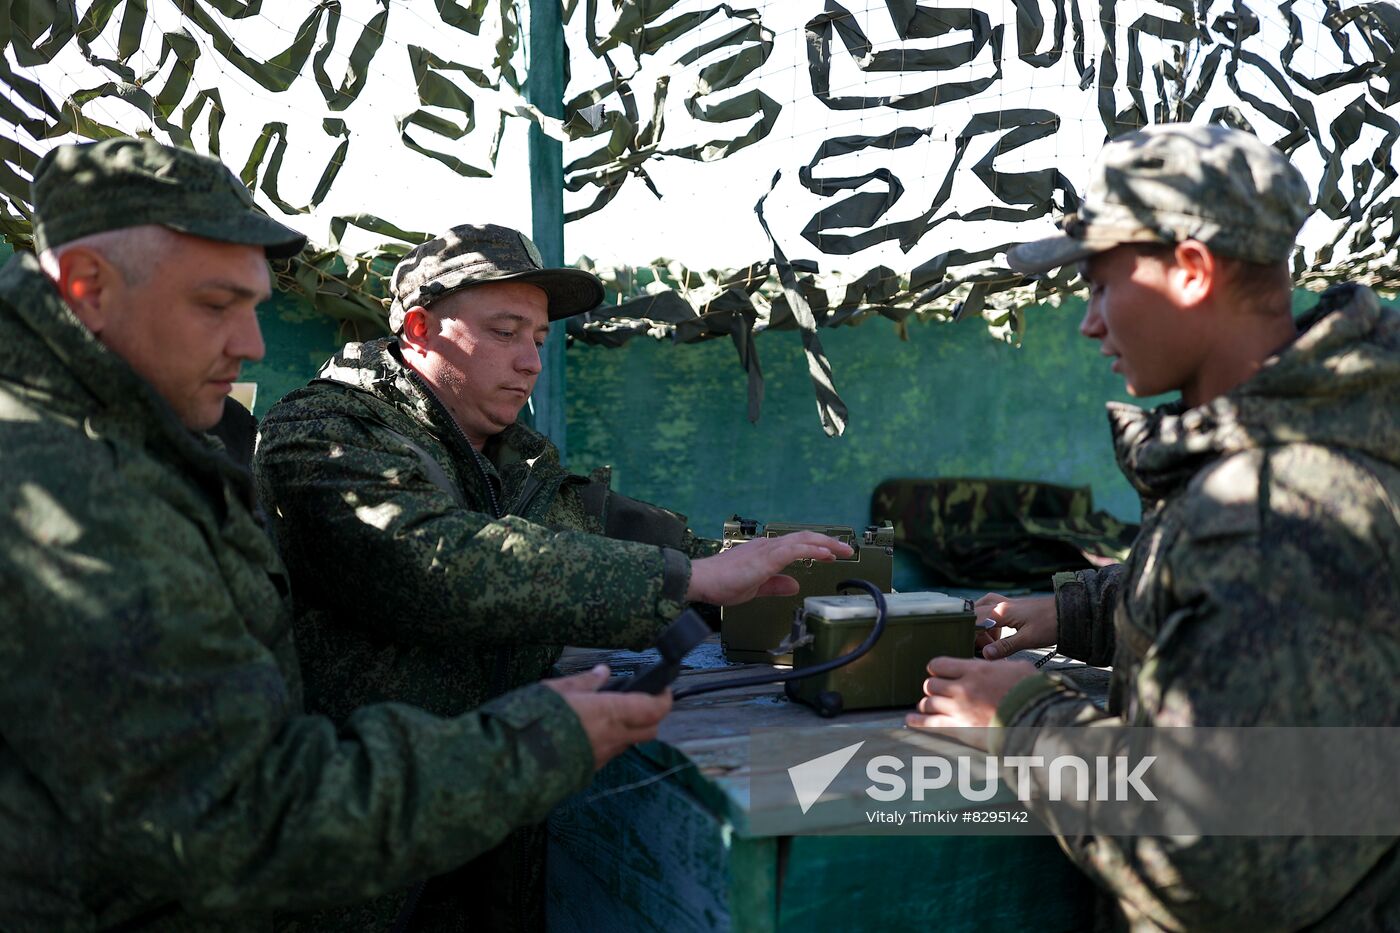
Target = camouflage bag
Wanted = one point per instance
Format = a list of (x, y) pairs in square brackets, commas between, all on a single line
[(998, 533)]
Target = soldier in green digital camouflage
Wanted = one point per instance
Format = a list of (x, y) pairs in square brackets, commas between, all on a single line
[(156, 769), (441, 553), (1264, 588)]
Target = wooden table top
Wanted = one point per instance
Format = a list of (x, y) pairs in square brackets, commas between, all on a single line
[(705, 742)]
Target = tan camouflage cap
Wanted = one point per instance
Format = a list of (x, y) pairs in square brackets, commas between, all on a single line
[(1163, 184), (88, 188), (474, 255)]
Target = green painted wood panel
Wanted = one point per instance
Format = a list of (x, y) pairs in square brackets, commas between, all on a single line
[(950, 883)]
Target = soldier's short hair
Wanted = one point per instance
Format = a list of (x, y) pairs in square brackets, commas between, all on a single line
[(133, 251)]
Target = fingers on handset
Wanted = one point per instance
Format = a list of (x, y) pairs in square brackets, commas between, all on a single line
[(643, 711), (616, 721)]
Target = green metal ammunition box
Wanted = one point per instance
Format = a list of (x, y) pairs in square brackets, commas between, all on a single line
[(918, 626), (748, 632)]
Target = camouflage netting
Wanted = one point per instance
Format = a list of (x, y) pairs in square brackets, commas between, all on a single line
[(908, 145)]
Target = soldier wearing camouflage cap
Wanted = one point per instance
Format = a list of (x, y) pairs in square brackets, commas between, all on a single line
[(1264, 586), (157, 770), (468, 256), (445, 553), (1167, 184)]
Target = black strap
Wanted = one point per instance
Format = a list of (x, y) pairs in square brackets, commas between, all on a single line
[(634, 520), (628, 519)]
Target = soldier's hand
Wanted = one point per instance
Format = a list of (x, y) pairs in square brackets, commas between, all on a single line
[(612, 721), (1032, 619), (963, 692), (740, 573)]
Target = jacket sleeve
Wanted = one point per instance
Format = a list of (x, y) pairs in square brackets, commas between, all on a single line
[(1279, 614), (1084, 601), (348, 504), (135, 694)]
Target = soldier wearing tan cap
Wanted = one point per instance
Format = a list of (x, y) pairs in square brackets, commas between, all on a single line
[(1264, 588)]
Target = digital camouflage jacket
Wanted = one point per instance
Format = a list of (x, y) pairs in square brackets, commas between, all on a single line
[(440, 590), (156, 767), (429, 573), (1264, 589)]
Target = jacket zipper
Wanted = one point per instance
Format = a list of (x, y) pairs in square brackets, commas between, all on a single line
[(505, 655), (477, 460)]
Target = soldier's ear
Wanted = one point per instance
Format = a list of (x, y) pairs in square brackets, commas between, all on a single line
[(1196, 275), (85, 280), (416, 328)]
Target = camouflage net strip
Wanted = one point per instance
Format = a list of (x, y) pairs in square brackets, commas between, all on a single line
[(1206, 49)]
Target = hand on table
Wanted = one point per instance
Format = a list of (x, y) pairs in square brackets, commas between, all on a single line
[(738, 574), (1032, 617), (612, 721), (965, 692)]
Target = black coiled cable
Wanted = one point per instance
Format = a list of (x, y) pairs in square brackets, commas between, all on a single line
[(801, 673)]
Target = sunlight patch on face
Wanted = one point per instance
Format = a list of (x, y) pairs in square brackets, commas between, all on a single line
[(379, 516)]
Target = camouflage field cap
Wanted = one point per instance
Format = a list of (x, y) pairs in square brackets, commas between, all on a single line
[(88, 188), (470, 255), (1164, 184)]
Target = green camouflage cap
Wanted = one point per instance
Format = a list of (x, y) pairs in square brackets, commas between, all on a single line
[(1172, 182), (470, 255), (79, 190)]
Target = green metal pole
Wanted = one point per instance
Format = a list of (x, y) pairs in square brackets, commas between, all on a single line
[(544, 85)]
